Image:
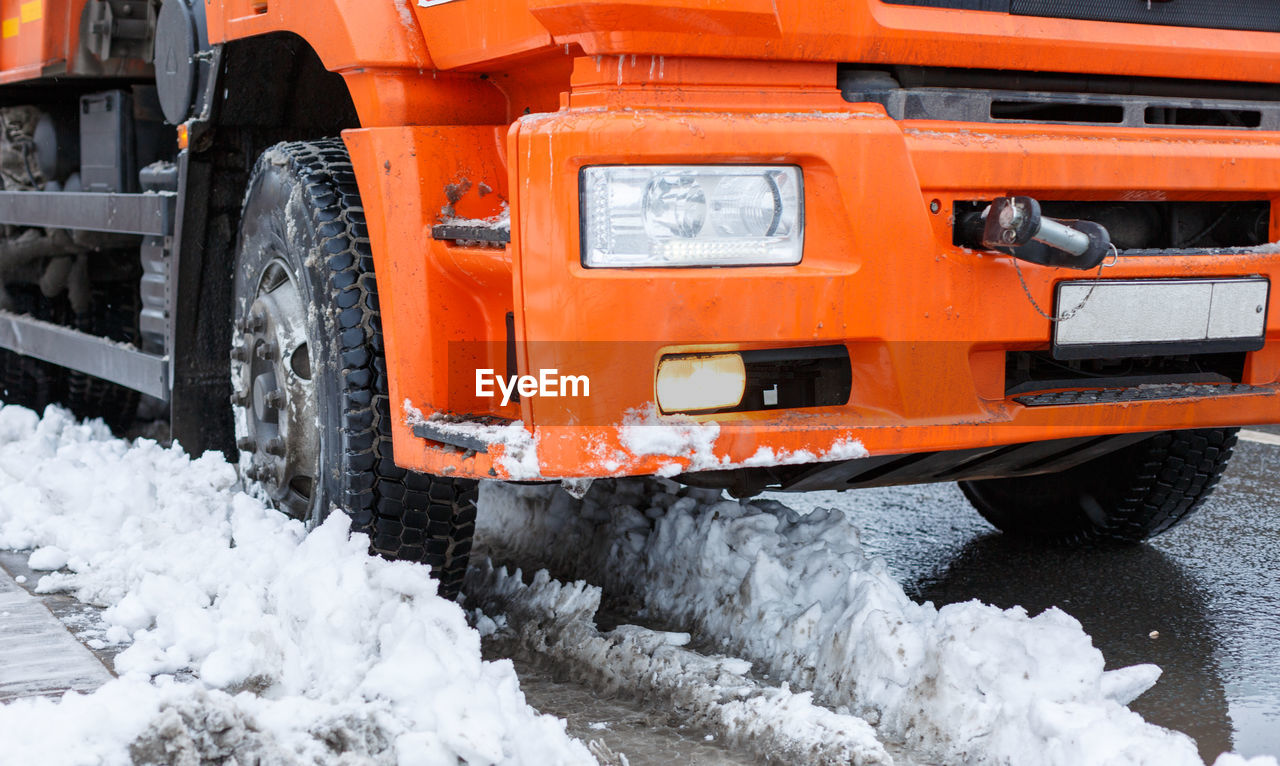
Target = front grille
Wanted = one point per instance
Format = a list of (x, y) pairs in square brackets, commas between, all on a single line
[(1246, 15), (1146, 228)]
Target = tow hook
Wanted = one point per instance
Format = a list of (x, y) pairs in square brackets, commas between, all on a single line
[(1014, 225)]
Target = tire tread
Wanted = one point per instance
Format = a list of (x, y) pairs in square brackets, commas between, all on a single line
[(375, 491), (1152, 486)]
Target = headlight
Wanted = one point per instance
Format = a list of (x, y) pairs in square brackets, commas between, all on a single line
[(691, 215)]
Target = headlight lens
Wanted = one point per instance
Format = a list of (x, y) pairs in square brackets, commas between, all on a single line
[(692, 215), (674, 206)]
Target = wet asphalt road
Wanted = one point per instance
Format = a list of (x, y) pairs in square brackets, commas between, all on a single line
[(1209, 587)]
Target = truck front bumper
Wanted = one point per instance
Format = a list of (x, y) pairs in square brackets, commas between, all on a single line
[(927, 324)]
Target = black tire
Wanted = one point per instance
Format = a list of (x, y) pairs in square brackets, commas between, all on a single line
[(114, 306), (113, 312), (25, 380), (1128, 495), (303, 222), (29, 382)]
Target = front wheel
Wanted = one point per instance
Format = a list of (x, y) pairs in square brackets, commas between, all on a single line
[(309, 385), (1128, 495)]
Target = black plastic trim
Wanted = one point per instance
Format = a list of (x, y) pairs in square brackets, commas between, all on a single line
[(1164, 348), (1241, 15), (1001, 105), (455, 233), (441, 436), (1147, 393)]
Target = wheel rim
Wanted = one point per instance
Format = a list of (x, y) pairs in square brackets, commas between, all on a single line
[(274, 394)]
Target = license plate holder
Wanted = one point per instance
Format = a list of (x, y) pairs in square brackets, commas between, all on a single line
[(1160, 317)]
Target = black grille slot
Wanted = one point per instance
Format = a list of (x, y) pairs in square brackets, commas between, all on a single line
[(1039, 111), (1245, 15), (1156, 228), (1209, 118), (1028, 372), (979, 98)]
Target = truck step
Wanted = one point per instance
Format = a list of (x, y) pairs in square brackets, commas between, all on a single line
[(91, 354), (150, 214), (493, 234), (470, 434), (1138, 394)]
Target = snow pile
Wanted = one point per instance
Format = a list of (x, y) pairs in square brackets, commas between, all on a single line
[(556, 620), (966, 683), (47, 559), (644, 431), (294, 648)]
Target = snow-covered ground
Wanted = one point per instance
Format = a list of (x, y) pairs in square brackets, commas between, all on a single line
[(245, 635)]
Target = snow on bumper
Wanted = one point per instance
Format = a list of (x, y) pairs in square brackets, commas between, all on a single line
[(644, 443)]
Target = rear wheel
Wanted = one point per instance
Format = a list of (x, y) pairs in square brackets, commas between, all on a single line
[(309, 386), (26, 380), (113, 313), (1128, 495), (111, 310)]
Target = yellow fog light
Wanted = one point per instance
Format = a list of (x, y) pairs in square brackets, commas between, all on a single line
[(701, 382)]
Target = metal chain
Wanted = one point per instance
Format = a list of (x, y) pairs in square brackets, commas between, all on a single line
[(1064, 317)]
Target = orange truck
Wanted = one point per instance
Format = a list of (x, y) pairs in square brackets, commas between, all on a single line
[(748, 244)]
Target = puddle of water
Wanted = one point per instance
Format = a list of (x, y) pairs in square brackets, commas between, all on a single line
[(625, 727), (1208, 587)]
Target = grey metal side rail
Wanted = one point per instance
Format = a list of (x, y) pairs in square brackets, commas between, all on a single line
[(151, 215)]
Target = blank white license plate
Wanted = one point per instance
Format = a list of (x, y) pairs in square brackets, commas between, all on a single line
[(1158, 317)]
